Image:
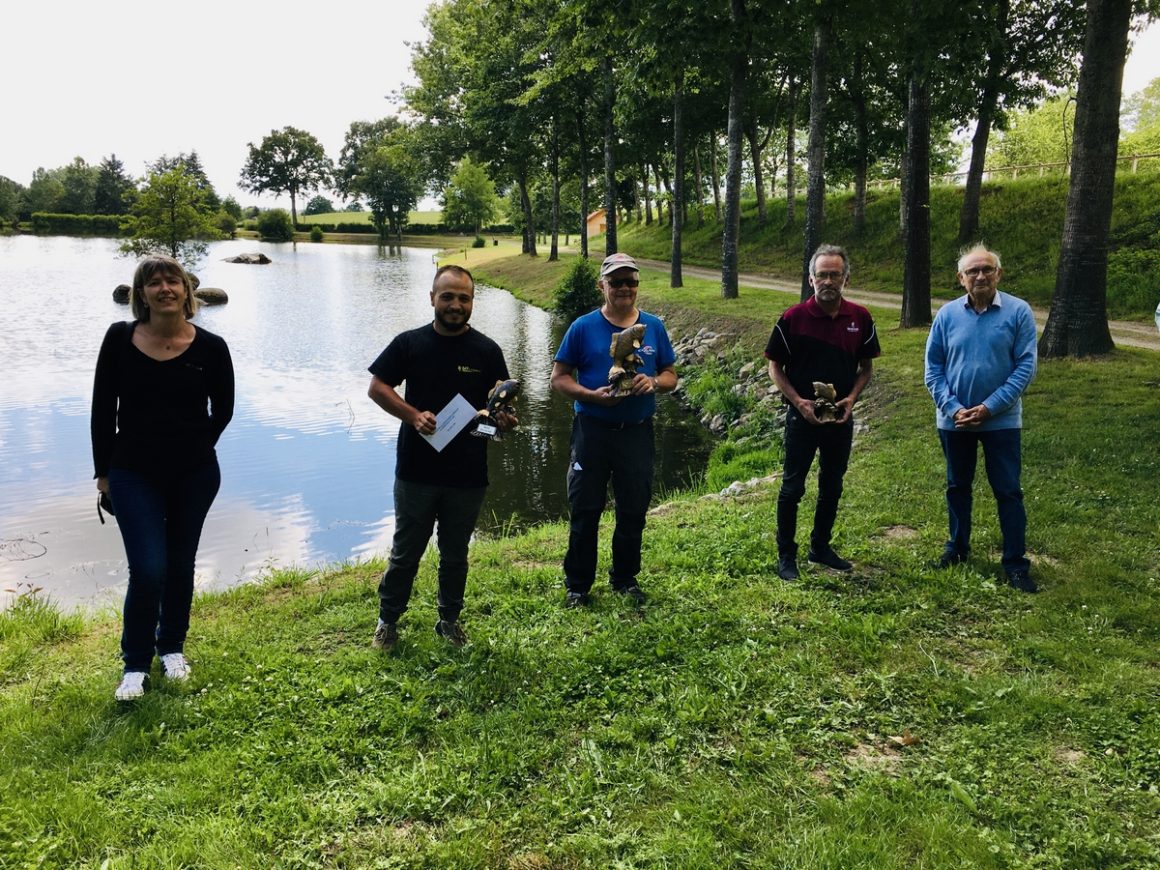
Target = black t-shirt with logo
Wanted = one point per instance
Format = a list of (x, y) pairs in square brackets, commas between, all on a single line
[(435, 368), (812, 346)]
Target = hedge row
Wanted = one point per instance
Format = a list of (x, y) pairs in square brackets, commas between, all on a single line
[(409, 229), (76, 224)]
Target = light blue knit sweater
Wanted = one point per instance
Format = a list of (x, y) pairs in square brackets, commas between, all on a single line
[(987, 358)]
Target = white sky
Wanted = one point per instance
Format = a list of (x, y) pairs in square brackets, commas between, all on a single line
[(141, 79)]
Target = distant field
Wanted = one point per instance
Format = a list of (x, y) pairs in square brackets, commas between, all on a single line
[(364, 217)]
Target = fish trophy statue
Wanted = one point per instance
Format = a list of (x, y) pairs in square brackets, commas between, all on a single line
[(625, 359), (825, 402), (498, 400)]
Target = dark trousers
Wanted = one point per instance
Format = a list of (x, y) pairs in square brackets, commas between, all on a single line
[(831, 442), (1002, 458), (601, 453), (418, 507), (160, 522)]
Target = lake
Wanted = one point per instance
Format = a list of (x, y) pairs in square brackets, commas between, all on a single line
[(308, 461)]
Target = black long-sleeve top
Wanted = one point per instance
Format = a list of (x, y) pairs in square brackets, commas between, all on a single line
[(159, 418)]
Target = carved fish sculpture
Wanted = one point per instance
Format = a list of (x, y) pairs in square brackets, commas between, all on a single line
[(625, 359), (825, 397), (500, 398)]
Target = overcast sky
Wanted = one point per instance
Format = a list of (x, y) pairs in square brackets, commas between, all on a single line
[(142, 79)]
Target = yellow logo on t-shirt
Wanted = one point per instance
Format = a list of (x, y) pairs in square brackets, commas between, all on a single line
[(468, 370)]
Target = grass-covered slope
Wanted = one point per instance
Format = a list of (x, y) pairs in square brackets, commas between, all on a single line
[(895, 717)]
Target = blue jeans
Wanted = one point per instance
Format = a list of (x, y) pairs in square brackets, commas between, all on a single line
[(1002, 457), (831, 442), (418, 506), (160, 519), (599, 453)]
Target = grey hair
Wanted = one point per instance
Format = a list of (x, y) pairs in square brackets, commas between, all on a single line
[(976, 248), (832, 251)]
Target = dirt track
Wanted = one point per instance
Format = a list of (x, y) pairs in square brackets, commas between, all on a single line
[(1124, 332)]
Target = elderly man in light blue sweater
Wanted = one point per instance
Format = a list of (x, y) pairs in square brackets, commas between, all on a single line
[(980, 358)]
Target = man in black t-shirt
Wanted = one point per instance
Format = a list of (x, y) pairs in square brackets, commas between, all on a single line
[(830, 340), (438, 361)]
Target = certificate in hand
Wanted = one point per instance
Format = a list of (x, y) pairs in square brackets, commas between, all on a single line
[(450, 422)]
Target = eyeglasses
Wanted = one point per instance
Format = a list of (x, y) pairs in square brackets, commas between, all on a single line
[(979, 270), (829, 276), (617, 283)]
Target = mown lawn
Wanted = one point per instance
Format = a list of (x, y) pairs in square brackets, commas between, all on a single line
[(895, 717)]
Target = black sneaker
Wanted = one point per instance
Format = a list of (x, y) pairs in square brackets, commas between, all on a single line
[(787, 568), (634, 592), (576, 599), (452, 632), (386, 636), (948, 559), (1022, 581), (830, 559)]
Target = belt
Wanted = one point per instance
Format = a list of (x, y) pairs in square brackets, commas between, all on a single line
[(613, 424)]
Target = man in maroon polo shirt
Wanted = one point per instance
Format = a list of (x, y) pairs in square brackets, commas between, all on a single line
[(829, 340)]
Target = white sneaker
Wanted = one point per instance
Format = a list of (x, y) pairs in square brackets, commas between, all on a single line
[(132, 686), (175, 667)]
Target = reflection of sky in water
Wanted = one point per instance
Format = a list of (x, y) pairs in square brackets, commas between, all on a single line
[(308, 461)]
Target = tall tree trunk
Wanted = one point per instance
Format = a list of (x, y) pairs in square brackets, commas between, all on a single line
[(751, 134), (816, 189), (713, 168), (861, 143), (529, 220), (648, 212), (582, 142), (1077, 324), (293, 210), (678, 211), (972, 193), (554, 252), (638, 195), (698, 179), (791, 153), (667, 181), (742, 39), (609, 159), (903, 189), (916, 239)]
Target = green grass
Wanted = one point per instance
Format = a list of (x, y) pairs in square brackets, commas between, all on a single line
[(1023, 219), (364, 217), (733, 721)]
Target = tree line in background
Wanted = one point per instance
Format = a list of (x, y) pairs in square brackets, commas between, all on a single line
[(679, 107)]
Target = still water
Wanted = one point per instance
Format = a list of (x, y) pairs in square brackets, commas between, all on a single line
[(308, 461)]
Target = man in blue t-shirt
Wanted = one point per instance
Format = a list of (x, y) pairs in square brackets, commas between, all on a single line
[(612, 435), (980, 358), (439, 361)]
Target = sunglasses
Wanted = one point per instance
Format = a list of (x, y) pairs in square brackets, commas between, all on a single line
[(617, 283)]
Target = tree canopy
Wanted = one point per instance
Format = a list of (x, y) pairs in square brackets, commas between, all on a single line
[(289, 161), (171, 216)]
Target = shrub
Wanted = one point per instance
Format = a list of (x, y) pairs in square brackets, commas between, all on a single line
[(226, 223), (478, 242), (577, 293), (316, 233), (275, 226)]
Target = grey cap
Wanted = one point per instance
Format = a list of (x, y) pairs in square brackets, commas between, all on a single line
[(617, 261)]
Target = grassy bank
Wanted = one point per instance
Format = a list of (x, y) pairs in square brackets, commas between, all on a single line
[(897, 717), (1023, 219)]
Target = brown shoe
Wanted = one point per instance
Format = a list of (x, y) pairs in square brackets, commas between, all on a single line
[(386, 636), (452, 632)]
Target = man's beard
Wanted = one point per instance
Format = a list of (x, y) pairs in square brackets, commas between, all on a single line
[(451, 327)]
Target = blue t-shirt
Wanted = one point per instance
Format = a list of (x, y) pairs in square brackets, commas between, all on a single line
[(585, 349)]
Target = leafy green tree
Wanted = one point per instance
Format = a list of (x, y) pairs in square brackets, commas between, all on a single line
[(470, 198), (80, 187), (387, 180), (171, 216), (319, 205), (1141, 121), (193, 168), (355, 207), (11, 199), (231, 207), (275, 225), (114, 189), (1039, 135), (289, 161), (45, 192)]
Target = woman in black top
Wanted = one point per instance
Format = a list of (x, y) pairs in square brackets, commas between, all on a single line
[(162, 395)]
